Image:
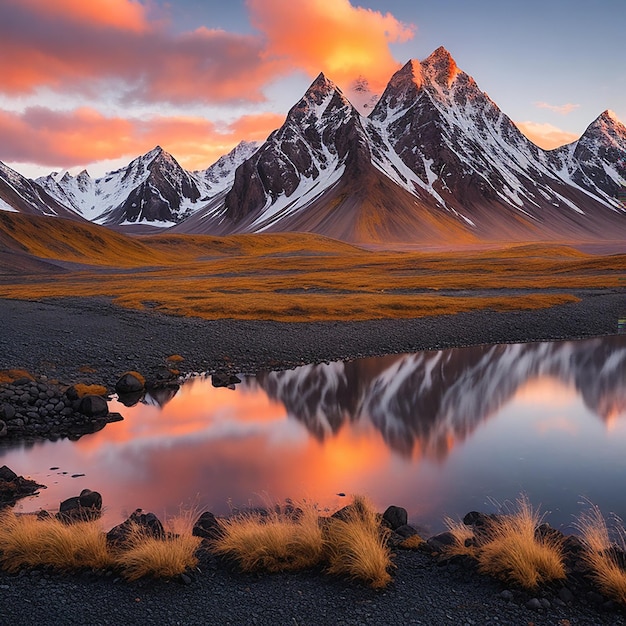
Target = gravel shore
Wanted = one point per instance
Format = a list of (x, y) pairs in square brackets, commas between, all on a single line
[(63, 338)]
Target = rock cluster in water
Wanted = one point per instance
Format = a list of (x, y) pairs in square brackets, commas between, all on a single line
[(14, 487), (38, 408)]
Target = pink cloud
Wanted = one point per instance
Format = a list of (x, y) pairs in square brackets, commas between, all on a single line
[(332, 36), (546, 136), (75, 138), (124, 51), (561, 109), (123, 14)]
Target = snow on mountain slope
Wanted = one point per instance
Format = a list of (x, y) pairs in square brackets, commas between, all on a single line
[(597, 161), (435, 162), (220, 176), (153, 189), (19, 194), (450, 142)]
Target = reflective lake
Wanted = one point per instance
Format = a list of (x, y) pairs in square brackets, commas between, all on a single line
[(439, 433)]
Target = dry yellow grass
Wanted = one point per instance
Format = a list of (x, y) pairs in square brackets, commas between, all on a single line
[(90, 390), (357, 546), (275, 542), (296, 276), (414, 542), (511, 550), (9, 376), (600, 553), (462, 534), (158, 558), (354, 546), (27, 542)]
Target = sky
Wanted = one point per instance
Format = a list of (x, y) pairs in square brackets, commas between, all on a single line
[(95, 84)]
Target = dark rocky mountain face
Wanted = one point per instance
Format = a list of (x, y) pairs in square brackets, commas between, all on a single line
[(159, 188), (597, 161), (436, 162), (18, 193)]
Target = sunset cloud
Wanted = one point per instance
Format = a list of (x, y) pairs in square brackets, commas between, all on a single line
[(561, 109), (546, 136), (125, 54), (332, 36), (123, 14), (75, 138)]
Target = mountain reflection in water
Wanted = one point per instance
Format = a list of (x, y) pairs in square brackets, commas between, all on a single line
[(432, 399), (436, 432)]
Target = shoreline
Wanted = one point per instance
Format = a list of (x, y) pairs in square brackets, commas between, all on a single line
[(92, 340)]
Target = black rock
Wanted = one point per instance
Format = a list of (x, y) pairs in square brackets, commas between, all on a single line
[(7, 474), (7, 411), (93, 406), (146, 523), (224, 379), (441, 541), (395, 517), (207, 526), (129, 383)]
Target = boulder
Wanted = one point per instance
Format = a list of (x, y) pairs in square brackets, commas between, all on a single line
[(439, 542), (14, 487), (4, 431), (148, 524), (395, 517), (7, 474), (224, 379), (93, 406), (7, 411), (88, 505), (207, 526), (131, 382)]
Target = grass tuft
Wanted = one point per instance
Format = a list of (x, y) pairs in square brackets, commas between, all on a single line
[(10, 376), (464, 541), (144, 555), (512, 551), (279, 541), (90, 390), (27, 542), (603, 555), (357, 545)]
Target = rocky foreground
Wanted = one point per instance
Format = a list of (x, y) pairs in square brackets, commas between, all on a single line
[(428, 587), (65, 343)]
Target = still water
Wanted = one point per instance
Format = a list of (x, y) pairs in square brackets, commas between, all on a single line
[(439, 433)]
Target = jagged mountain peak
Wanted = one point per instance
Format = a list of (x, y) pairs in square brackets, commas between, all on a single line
[(611, 115), (440, 67), (608, 123), (321, 96)]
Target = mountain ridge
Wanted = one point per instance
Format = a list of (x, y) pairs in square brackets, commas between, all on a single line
[(435, 160)]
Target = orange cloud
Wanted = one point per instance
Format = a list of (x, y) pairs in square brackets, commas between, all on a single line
[(63, 139), (332, 36), (546, 136), (124, 14), (137, 59)]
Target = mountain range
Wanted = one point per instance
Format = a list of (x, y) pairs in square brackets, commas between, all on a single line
[(435, 161)]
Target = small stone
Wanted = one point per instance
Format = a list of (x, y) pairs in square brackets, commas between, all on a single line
[(565, 595), (507, 595), (534, 604)]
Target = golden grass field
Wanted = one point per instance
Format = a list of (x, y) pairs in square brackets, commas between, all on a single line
[(291, 276)]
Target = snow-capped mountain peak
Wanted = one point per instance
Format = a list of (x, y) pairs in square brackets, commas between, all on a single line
[(440, 68)]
